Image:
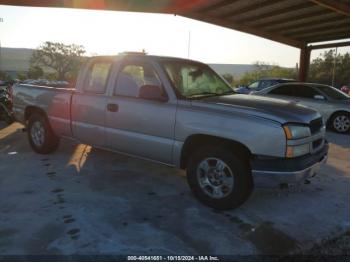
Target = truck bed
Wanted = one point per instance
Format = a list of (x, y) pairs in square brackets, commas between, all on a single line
[(55, 101)]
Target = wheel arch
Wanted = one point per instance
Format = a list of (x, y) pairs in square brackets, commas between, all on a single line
[(30, 110), (199, 140)]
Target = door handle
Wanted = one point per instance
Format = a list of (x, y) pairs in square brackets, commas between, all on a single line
[(112, 107)]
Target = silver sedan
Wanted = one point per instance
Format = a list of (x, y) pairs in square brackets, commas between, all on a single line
[(332, 104)]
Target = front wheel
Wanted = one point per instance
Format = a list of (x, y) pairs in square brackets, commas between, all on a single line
[(340, 122), (219, 178), (40, 135)]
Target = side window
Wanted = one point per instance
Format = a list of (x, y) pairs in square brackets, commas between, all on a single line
[(287, 90), (266, 83), (254, 85), (97, 77), (306, 92), (133, 76)]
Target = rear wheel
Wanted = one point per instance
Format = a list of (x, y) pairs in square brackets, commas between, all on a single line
[(40, 135), (340, 122), (219, 178)]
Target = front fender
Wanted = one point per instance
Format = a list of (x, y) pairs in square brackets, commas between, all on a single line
[(261, 136)]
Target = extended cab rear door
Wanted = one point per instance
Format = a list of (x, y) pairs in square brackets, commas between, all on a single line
[(137, 126), (88, 107)]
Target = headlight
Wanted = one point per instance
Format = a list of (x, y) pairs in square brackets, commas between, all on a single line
[(296, 132), (295, 151)]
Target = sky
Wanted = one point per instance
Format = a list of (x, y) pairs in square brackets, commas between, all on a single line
[(111, 32)]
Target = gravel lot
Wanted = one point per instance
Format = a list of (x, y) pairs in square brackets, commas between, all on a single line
[(81, 200)]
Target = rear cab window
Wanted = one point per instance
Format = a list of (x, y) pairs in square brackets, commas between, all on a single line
[(132, 76), (97, 77)]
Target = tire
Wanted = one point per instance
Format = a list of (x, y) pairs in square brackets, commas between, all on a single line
[(40, 135), (340, 122), (203, 183)]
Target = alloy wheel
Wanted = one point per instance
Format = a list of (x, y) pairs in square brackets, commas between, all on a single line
[(215, 178)]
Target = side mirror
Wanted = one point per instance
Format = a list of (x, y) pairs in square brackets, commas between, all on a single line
[(152, 92), (319, 97)]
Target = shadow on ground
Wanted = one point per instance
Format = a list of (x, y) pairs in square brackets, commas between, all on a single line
[(82, 200)]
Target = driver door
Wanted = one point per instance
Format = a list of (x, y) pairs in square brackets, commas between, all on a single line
[(137, 126)]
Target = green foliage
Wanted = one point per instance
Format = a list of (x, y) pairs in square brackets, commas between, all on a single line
[(51, 76), (21, 75), (321, 69), (60, 58), (35, 72), (264, 70), (5, 76), (228, 77)]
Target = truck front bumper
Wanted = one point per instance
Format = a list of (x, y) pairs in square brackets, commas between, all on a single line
[(268, 171)]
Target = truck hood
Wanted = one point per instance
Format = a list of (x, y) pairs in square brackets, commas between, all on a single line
[(278, 110)]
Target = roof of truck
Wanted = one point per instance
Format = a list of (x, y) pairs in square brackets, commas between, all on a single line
[(140, 54)]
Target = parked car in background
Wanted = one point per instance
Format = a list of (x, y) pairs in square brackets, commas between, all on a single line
[(345, 89), (333, 105), (262, 84), (181, 113), (6, 102)]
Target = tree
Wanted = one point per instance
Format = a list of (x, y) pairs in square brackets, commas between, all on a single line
[(62, 59), (4, 76), (321, 69), (265, 70), (228, 77), (21, 76), (35, 72)]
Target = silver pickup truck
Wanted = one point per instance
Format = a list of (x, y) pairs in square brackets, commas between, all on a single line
[(180, 113)]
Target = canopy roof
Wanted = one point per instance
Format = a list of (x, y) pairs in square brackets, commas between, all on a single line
[(296, 23)]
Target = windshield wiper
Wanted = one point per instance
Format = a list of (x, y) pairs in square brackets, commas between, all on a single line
[(206, 94), (203, 94)]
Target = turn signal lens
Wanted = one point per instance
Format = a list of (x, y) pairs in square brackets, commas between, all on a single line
[(288, 132)]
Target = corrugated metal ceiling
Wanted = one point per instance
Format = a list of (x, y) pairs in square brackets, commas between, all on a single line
[(296, 23)]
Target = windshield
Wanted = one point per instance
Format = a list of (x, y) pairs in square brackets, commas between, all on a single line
[(333, 92), (195, 80)]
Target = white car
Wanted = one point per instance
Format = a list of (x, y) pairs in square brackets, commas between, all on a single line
[(332, 104)]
